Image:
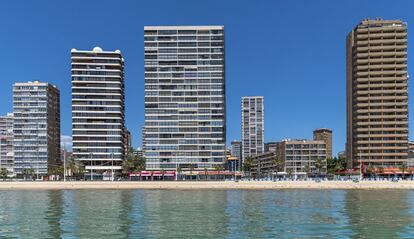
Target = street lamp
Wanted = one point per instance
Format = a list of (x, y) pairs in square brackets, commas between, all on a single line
[(112, 168), (91, 168), (64, 165)]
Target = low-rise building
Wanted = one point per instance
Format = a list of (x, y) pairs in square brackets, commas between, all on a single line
[(292, 157), (304, 156), (264, 165)]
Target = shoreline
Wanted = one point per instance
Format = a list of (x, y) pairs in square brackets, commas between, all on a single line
[(207, 185)]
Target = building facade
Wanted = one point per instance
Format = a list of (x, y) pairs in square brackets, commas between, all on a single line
[(185, 113), (236, 151), (6, 143), (263, 165), (295, 157), (410, 154), (325, 135), (304, 156), (98, 109), (377, 93), (128, 142), (271, 146), (36, 127), (252, 126)]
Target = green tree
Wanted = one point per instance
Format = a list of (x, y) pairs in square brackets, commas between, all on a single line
[(3, 173), (133, 163), (335, 164)]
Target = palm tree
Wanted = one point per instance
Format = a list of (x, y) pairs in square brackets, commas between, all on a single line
[(247, 165), (403, 168), (28, 172), (289, 171), (205, 173), (277, 162), (410, 171), (163, 171), (179, 171), (76, 168), (307, 169), (319, 164), (218, 168), (191, 166)]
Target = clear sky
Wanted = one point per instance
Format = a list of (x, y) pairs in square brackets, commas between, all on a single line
[(291, 52)]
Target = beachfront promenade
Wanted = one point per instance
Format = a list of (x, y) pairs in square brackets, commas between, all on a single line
[(188, 185)]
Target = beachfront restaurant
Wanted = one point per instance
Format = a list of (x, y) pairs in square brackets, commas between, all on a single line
[(152, 176)]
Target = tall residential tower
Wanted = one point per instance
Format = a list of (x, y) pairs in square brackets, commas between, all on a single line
[(252, 126), (377, 93), (98, 109), (6, 142), (36, 127), (185, 107)]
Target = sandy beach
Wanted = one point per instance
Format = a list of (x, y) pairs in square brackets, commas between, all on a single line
[(215, 185)]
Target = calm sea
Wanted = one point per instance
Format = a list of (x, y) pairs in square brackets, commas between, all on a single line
[(207, 214)]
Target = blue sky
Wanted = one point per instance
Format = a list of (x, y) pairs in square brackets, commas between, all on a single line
[(291, 52)]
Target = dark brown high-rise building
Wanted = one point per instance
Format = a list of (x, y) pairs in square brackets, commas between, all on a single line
[(377, 95), (325, 135)]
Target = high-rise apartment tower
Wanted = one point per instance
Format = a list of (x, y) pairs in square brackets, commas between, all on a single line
[(377, 93), (185, 107), (36, 127), (98, 109), (252, 125)]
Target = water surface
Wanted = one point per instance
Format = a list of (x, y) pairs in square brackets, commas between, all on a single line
[(207, 214)]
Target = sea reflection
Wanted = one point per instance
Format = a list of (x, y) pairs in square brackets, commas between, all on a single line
[(379, 214), (207, 214)]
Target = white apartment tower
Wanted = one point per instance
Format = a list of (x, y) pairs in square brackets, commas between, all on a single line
[(6, 142), (36, 127), (185, 123), (98, 109), (252, 126)]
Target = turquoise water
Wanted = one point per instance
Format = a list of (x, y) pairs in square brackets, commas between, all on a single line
[(207, 214)]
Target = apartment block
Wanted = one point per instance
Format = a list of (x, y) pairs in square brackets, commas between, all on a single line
[(185, 107), (36, 127), (252, 125), (377, 93), (304, 155), (263, 165), (98, 109), (299, 157), (6, 142)]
